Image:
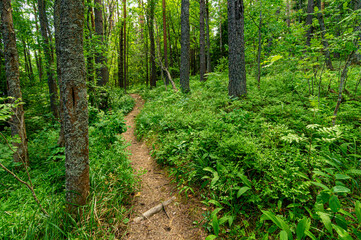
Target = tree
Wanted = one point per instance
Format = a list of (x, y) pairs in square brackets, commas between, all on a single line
[(17, 121), (100, 59), (165, 41), (202, 53), (74, 94), (237, 68), (49, 59), (151, 6), (184, 65), (125, 44), (208, 52), (310, 8)]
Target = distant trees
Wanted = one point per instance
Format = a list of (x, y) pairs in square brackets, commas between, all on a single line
[(74, 94), (12, 76), (237, 66), (202, 48), (184, 64)]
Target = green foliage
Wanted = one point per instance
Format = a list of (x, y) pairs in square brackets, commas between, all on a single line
[(264, 154), (111, 181)]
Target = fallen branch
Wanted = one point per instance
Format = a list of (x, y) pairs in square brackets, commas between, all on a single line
[(154, 210)]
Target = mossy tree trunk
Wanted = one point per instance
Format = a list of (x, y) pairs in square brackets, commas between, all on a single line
[(184, 65)]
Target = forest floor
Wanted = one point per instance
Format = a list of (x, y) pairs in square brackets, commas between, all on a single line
[(176, 222)]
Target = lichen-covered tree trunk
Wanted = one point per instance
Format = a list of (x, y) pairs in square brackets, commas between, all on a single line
[(310, 7), (13, 81), (100, 59), (74, 94), (237, 68), (184, 66), (49, 60), (202, 49)]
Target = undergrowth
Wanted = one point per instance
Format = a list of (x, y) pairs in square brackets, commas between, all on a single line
[(111, 179), (270, 164)]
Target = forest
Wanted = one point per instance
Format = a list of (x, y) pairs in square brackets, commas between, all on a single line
[(180, 119)]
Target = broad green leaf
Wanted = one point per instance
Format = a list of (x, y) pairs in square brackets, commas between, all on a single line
[(321, 185), (279, 222), (310, 235), (342, 177), (215, 178), (317, 172), (242, 191), (211, 237), (340, 189), (326, 221), (334, 203), (215, 224), (283, 235), (302, 226), (342, 233), (208, 169)]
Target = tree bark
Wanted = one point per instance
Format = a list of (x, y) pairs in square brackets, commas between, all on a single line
[(310, 9), (165, 41), (237, 68), (17, 121), (49, 60), (153, 82), (89, 36), (184, 66), (100, 59), (39, 61), (202, 53), (259, 46), (326, 51), (74, 94), (121, 58), (125, 44), (208, 52)]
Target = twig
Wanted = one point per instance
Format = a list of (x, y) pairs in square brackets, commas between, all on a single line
[(154, 210)]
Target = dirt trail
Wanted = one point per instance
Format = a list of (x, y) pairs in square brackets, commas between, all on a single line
[(156, 188)]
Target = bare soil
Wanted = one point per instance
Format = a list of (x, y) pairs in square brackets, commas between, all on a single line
[(176, 222)]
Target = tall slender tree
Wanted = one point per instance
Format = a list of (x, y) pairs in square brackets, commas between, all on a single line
[(310, 10), (49, 59), (13, 82), (100, 59), (125, 44), (74, 94), (151, 7), (165, 50), (202, 52), (184, 65), (237, 68), (208, 49)]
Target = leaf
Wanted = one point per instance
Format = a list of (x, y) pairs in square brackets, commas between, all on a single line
[(244, 179), (342, 177), (215, 224), (211, 237), (321, 185), (342, 233), (279, 222), (358, 211), (283, 235), (340, 189), (317, 172), (242, 191), (302, 226), (326, 221), (334, 203), (215, 178), (309, 234)]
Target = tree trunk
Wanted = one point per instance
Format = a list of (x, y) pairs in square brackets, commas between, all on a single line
[(208, 52), (259, 46), (30, 65), (89, 36), (3, 84), (184, 66), (310, 7), (324, 40), (202, 52), (39, 62), (121, 58), (288, 6), (220, 29), (49, 60), (100, 59), (237, 68), (165, 46), (125, 44), (73, 89), (13, 81), (153, 82)]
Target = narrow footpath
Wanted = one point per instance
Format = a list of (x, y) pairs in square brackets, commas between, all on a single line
[(176, 220)]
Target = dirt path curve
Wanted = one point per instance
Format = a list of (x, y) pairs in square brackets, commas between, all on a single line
[(156, 188)]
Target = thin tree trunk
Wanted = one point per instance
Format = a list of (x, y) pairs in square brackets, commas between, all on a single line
[(53, 88), (202, 53), (324, 40), (184, 65), (237, 67), (152, 45), (17, 121), (121, 57), (259, 46), (74, 94), (39, 58), (310, 7), (30, 65), (125, 44), (100, 59), (89, 36), (165, 46), (208, 52), (220, 28), (288, 13)]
